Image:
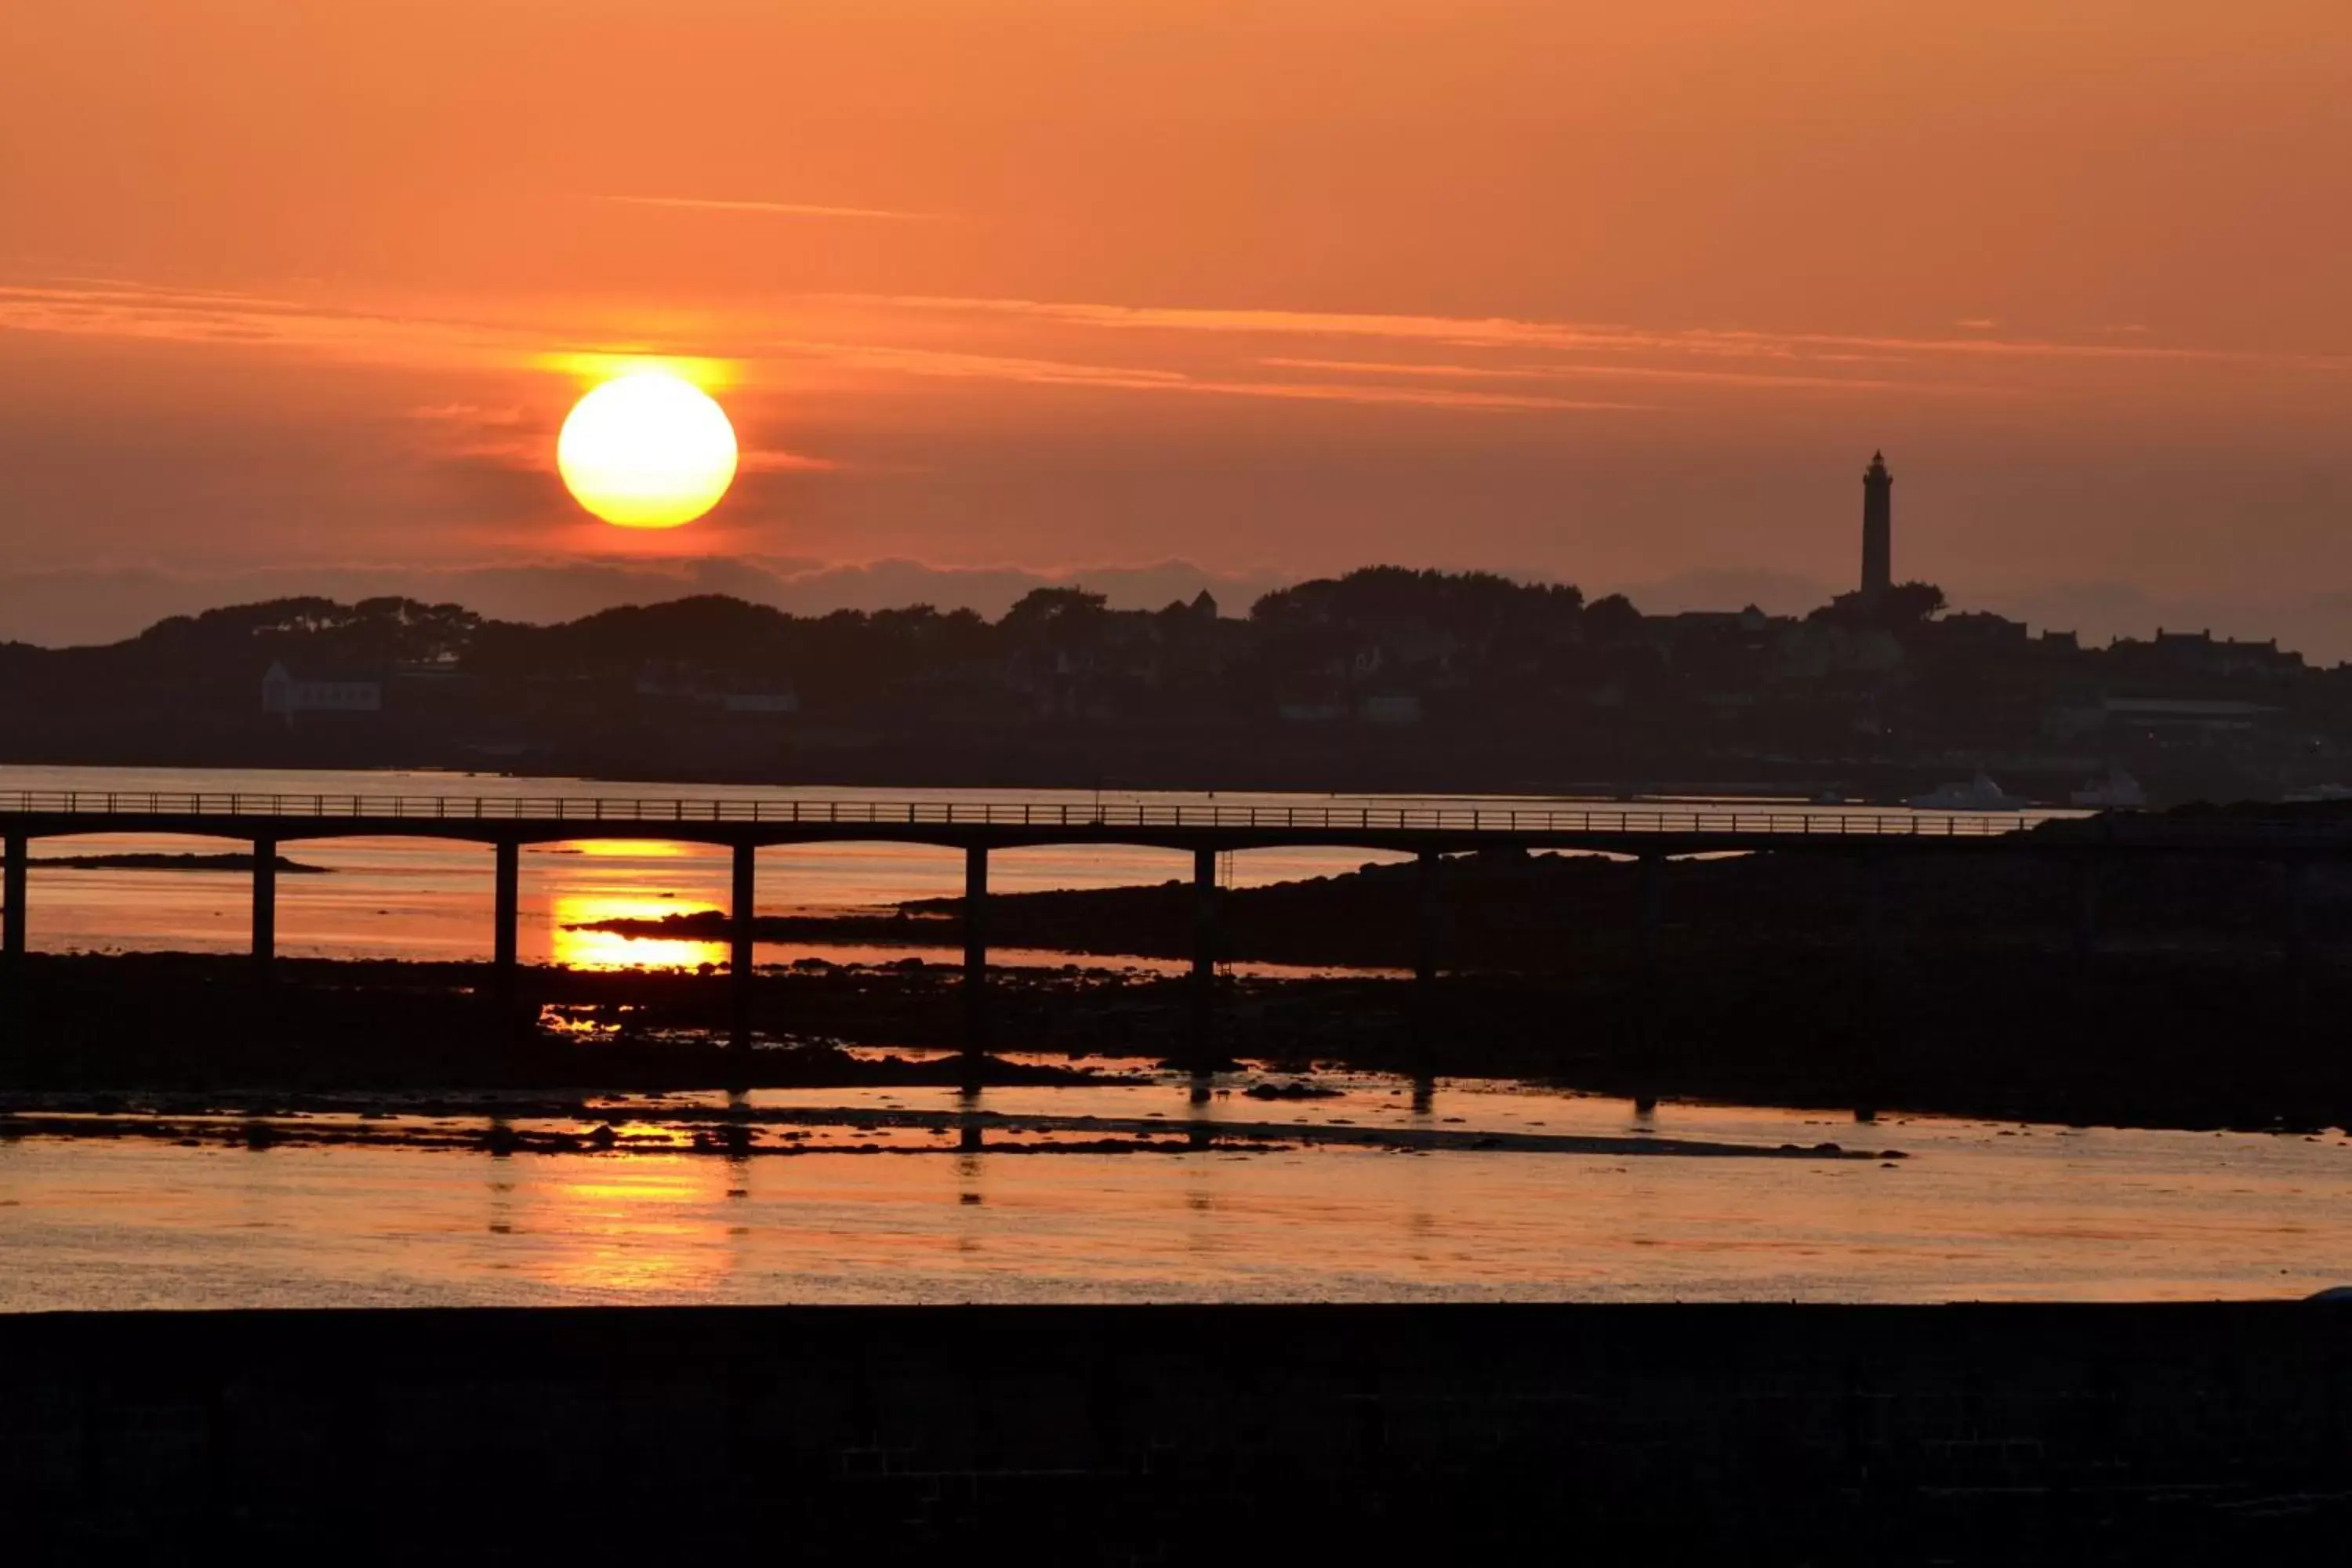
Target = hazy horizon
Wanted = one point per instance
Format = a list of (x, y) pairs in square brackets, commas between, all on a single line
[(1620, 298), (82, 607)]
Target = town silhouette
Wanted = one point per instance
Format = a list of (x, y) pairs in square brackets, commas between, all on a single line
[(1383, 678)]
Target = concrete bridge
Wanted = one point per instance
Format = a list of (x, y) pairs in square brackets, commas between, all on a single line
[(1651, 835)]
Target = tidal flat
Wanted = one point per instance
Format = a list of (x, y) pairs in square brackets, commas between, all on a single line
[(2163, 1037)]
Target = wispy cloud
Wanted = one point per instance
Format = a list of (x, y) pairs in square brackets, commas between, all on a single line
[(760, 461), (964, 366), (1510, 333), (772, 210), (1574, 372), (1472, 364), (171, 315), (111, 308), (467, 414)]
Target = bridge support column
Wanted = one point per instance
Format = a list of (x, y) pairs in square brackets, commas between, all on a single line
[(1872, 1047), (1427, 942), (2297, 876), (265, 901), (1202, 1044), (506, 916), (12, 921), (2087, 909), (1649, 1033), (507, 908), (975, 963), (1653, 907), (1874, 907), (742, 915), (1429, 870)]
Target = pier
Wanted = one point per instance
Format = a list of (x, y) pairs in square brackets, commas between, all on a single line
[(267, 823)]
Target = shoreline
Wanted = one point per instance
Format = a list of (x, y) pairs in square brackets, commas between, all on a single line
[(2161, 1038), (593, 1126)]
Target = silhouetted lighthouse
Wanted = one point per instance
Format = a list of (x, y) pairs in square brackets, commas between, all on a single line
[(1877, 528)]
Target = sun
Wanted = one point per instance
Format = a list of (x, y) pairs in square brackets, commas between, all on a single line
[(646, 450)]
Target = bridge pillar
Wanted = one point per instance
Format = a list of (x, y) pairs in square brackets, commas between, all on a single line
[(264, 899), (1429, 869), (2086, 908), (12, 921), (1874, 906), (2297, 873), (1203, 1044), (507, 911), (743, 914), (1649, 1032), (1876, 1026), (975, 962), (1428, 942), (1653, 907)]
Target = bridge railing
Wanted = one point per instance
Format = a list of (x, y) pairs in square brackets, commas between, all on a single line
[(620, 812)]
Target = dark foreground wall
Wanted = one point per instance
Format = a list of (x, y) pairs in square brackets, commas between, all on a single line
[(1730, 1434)]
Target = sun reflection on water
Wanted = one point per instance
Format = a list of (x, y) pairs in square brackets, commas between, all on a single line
[(610, 950), (632, 1223), (630, 848)]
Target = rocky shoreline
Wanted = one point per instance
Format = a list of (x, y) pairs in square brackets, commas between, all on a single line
[(2155, 1036), (1515, 912)]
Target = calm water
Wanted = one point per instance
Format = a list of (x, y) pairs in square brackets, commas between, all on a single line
[(1976, 1212)]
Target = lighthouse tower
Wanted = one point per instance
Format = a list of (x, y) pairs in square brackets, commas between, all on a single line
[(1877, 528)]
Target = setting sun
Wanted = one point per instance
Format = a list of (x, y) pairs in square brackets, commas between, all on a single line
[(648, 450)]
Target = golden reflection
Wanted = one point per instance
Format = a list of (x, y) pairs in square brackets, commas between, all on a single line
[(626, 1222), (580, 949), (630, 848)]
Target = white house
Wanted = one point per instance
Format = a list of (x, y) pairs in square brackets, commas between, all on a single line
[(284, 694), (1397, 708), (759, 702)]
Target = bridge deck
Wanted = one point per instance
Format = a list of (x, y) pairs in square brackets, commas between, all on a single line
[(1647, 830)]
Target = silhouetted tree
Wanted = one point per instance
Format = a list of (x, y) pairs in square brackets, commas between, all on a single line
[(1908, 602), (1052, 607), (1611, 618), (1902, 605)]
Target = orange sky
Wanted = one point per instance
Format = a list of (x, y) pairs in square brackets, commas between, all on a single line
[(1620, 294)]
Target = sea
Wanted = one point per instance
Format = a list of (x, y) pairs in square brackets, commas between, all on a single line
[(1958, 1210)]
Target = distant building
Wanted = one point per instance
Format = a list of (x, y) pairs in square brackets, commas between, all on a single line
[(1312, 712), (1877, 528), (1400, 708), (2201, 720), (2194, 713), (2202, 653), (759, 702), (1984, 628), (675, 683), (286, 695)]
